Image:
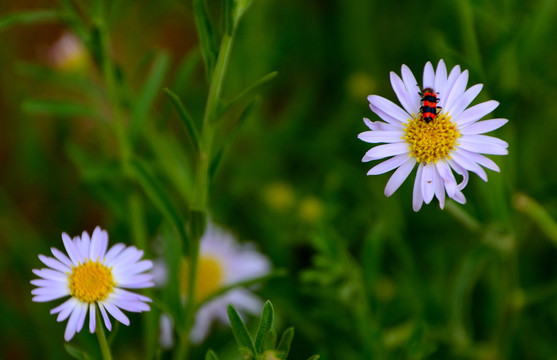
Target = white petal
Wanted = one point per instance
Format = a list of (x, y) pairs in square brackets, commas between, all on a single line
[(114, 251), (84, 245), (465, 100), (59, 290), (459, 197), (459, 170), (456, 92), (383, 151), (50, 274), (428, 189), (128, 256), (201, 326), (55, 264), (411, 86), (417, 199), (71, 249), (105, 317), (480, 159), (486, 139), (429, 76), (439, 188), (92, 318), (388, 165), (82, 316), (482, 127), (475, 113), (405, 99), (381, 136), (166, 337), (440, 77), (135, 281), (483, 148), (73, 322), (388, 107), (380, 125), (391, 121), (117, 313), (455, 73), (447, 177), (61, 257), (469, 165), (64, 309), (44, 282), (399, 176)]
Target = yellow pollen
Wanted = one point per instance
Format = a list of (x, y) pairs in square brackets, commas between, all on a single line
[(431, 141), (210, 276), (91, 282)]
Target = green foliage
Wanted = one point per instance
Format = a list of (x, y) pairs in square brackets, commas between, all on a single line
[(76, 353)]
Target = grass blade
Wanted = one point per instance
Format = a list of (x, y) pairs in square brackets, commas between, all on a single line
[(186, 118)]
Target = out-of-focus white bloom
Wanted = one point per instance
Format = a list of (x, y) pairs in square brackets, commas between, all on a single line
[(93, 276), (450, 142), (68, 54), (222, 262)]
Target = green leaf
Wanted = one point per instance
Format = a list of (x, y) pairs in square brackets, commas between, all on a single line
[(241, 7), (76, 353), (57, 108), (228, 19), (265, 324), (186, 118), (283, 347), (245, 343), (28, 18), (207, 37), (251, 90), (314, 357), (155, 190), (148, 93), (270, 341), (210, 355)]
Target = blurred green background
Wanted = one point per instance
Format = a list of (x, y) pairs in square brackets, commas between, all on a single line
[(367, 277)]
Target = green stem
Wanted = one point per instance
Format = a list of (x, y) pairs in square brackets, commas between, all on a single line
[(538, 214), (103, 344), (463, 217)]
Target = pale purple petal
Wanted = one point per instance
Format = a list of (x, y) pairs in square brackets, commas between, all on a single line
[(469, 165), (475, 113), (383, 151), (429, 76), (405, 99), (455, 73), (73, 322), (459, 170), (61, 257), (71, 249), (134, 268), (456, 92), (465, 100), (486, 139), (44, 282), (117, 313), (92, 318), (439, 189), (381, 126), (482, 127), (417, 199), (480, 159), (399, 176), (381, 136), (483, 148), (388, 165), (459, 197), (428, 189), (440, 77), (389, 108), (50, 274), (114, 251), (84, 245), (411, 86), (105, 317), (447, 177), (55, 264), (82, 316)]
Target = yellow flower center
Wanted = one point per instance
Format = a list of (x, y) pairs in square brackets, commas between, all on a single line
[(210, 276), (91, 282), (431, 141)]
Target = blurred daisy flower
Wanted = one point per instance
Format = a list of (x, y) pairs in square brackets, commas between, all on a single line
[(451, 141), (93, 276), (68, 54), (222, 262)]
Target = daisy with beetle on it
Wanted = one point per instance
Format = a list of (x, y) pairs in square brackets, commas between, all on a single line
[(93, 276), (435, 129)]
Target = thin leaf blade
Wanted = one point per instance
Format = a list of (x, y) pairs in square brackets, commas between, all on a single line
[(245, 343), (265, 324), (185, 116)]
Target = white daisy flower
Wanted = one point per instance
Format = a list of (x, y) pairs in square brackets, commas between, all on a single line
[(93, 276), (452, 141), (222, 262)]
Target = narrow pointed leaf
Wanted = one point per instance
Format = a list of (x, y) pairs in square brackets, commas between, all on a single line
[(28, 18), (252, 89), (270, 341), (149, 92), (186, 118), (207, 38), (229, 22), (210, 355), (245, 343), (76, 353), (283, 347), (314, 357), (57, 108), (265, 324)]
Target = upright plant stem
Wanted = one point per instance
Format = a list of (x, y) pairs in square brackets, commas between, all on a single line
[(103, 344), (202, 184)]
